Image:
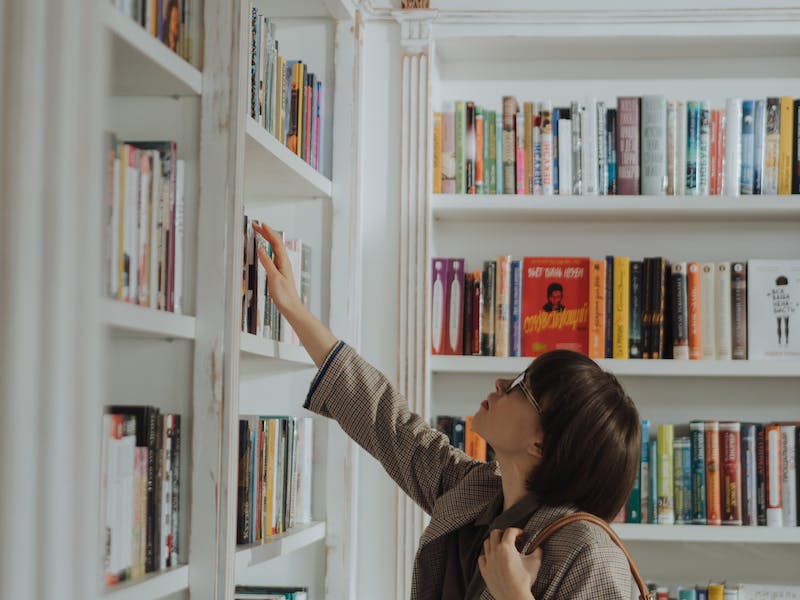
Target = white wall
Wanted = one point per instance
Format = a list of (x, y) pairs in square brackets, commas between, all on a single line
[(377, 539)]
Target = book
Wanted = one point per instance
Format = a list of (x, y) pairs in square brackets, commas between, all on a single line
[(786, 141), (502, 306), (731, 472), (771, 146), (739, 310), (597, 308), (666, 511), (773, 300), (774, 475), (555, 304), (645, 472), (713, 479), (653, 141), (693, 293), (487, 314), (438, 124), (748, 142), (749, 482), (733, 149), (621, 319), (510, 109), (454, 295), (723, 319), (697, 433), (516, 309), (448, 158), (680, 311), (707, 305), (682, 475)]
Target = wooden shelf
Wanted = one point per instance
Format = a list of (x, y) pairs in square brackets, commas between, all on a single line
[(280, 545), (280, 351), (704, 533), (632, 368), (508, 208), (146, 322), (142, 65), (273, 171), (151, 586)]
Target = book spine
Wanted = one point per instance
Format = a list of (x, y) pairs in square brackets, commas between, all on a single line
[(175, 428), (672, 147), (633, 508), (796, 149), (556, 117), (707, 316), (528, 109), (502, 305), (666, 512), (785, 149), (478, 294), (479, 134), (546, 129), (681, 140), (761, 475), (611, 150), (704, 149), (692, 146), (682, 458), (469, 150), (680, 314), (713, 482), (731, 472), (454, 301), (698, 450), (621, 320), (739, 310), (772, 146), (628, 146), (564, 156), (774, 477), (536, 145), (437, 152), (438, 305), (499, 152), (714, 150), (448, 160), (589, 158), (490, 153), (759, 140), (789, 475), (602, 150), (748, 133), (609, 316), (576, 110), (520, 154), (460, 137), (466, 335), (487, 310), (654, 145), (693, 309), (654, 486), (177, 286), (645, 471), (722, 296), (749, 486), (509, 144), (516, 308), (597, 309), (733, 147)]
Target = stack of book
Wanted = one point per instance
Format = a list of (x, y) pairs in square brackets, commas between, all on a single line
[(141, 484), (616, 308), (726, 591), (166, 20), (635, 145)]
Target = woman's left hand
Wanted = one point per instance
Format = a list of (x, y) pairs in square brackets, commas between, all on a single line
[(508, 574)]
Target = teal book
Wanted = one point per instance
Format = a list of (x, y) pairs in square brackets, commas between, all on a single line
[(490, 153), (633, 512), (687, 594), (653, 502), (698, 453), (644, 473)]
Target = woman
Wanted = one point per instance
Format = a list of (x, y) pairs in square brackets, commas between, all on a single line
[(566, 436)]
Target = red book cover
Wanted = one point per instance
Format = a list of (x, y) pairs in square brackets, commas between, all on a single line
[(555, 304), (628, 146), (731, 467)]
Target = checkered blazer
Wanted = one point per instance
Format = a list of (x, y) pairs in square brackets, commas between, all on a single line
[(580, 561)]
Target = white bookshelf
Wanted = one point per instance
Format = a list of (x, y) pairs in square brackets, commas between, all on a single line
[(141, 64), (280, 545), (630, 368), (290, 355), (147, 322), (515, 208), (630, 532), (152, 586), (272, 170)]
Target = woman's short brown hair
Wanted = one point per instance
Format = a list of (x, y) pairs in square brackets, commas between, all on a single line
[(592, 435)]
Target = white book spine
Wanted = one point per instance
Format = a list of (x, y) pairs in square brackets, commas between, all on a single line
[(654, 145), (704, 158), (536, 147), (672, 147), (772, 146), (774, 477), (759, 141), (589, 148), (576, 113), (602, 150), (179, 202), (723, 312), (680, 162), (789, 476), (165, 509), (733, 147), (154, 210), (708, 303), (546, 112), (116, 215), (132, 229), (565, 156)]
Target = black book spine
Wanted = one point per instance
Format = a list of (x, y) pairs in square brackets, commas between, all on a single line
[(796, 149), (487, 333), (175, 464), (609, 342), (635, 324), (469, 290), (647, 274), (243, 499)]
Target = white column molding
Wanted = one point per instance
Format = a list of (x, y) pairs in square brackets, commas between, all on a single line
[(50, 335), (413, 268), (346, 294)]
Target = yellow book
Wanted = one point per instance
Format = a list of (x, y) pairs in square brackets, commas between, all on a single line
[(621, 317), (502, 316), (437, 153), (785, 151), (665, 506), (716, 591), (597, 308)]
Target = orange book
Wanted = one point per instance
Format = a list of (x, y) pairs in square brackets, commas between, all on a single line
[(713, 499), (437, 153), (597, 308), (528, 111), (774, 479), (475, 444), (693, 309), (785, 150)]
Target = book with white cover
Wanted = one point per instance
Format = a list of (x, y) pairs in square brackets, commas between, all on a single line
[(773, 309)]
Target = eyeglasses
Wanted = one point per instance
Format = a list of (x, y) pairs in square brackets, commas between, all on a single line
[(519, 382)]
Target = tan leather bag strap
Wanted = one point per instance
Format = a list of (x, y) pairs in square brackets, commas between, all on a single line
[(584, 516)]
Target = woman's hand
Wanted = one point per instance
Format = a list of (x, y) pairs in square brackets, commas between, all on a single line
[(509, 574), (282, 287)]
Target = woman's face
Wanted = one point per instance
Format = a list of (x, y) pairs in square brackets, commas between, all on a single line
[(508, 422)]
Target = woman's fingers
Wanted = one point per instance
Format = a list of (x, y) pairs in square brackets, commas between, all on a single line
[(274, 240), (269, 265), (510, 535)]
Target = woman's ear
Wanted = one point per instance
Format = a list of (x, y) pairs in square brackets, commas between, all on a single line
[(535, 450)]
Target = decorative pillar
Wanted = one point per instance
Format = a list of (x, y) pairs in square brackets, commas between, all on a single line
[(413, 269)]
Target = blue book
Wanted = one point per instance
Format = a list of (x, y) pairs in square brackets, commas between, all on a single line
[(697, 430), (692, 146), (555, 118), (684, 511), (633, 510), (515, 325), (609, 307), (748, 141), (759, 137), (687, 594), (653, 507), (702, 593), (644, 472), (611, 150)]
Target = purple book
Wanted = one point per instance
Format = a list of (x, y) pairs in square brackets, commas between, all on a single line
[(454, 306), (439, 305)]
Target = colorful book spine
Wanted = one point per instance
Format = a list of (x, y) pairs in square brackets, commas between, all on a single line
[(654, 486), (697, 435), (635, 304), (611, 151), (695, 321), (621, 322), (448, 160), (509, 139), (772, 146), (454, 302), (575, 111), (682, 473), (645, 473), (438, 305), (469, 149), (774, 479), (739, 310), (731, 472), (749, 483), (759, 141), (680, 311), (681, 143), (520, 156), (516, 308), (487, 344), (666, 507), (597, 308), (704, 150), (713, 482), (654, 145), (502, 319), (692, 146), (461, 157), (564, 153), (786, 145), (490, 158), (546, 133), (609, 340), (628, 146), (479, 133), (789, 492)]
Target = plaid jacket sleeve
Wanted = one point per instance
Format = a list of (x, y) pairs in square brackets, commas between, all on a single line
[(366, 405), (598, 572)]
